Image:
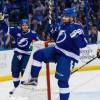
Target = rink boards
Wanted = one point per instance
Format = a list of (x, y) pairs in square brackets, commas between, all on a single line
[(87, 54)]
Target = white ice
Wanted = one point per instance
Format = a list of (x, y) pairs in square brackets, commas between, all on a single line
[(83, 86)]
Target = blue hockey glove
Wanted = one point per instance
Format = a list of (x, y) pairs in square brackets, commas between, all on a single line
[(53, 27), (57, 27)]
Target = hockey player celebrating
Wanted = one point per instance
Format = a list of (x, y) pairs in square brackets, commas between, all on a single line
[(23, 37), (69, 39)]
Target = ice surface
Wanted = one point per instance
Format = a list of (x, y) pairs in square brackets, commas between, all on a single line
[(83, 86)]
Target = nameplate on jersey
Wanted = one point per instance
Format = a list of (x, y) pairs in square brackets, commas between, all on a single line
[(75, 33)]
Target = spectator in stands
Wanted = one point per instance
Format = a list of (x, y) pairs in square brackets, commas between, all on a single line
[(93, 34), (38, 16), (98, 20), (14, 12), (39, 9)]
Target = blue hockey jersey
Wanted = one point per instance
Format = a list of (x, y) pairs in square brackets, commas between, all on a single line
[(70, 39), (22, 40)]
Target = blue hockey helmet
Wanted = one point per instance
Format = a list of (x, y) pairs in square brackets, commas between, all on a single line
[(70, 12), (25, 21)]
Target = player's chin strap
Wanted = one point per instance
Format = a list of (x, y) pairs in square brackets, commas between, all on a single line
[(83, 65)]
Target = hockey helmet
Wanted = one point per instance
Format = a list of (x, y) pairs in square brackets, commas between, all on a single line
[(25, 21), (70, 12)]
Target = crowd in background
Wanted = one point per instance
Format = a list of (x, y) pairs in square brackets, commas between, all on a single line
[(38, 13)]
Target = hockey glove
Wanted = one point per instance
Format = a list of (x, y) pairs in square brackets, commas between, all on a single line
[(52, 28), (98, 53)]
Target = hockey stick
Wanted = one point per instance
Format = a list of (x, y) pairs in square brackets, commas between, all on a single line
[(83, 65), (50, 11)]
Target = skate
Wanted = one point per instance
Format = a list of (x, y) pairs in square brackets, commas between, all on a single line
[(32, 81), (11, 92)]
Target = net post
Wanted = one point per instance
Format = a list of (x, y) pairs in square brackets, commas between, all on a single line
[(48, 77)]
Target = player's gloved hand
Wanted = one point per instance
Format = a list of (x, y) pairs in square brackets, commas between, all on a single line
[(54, 27), (50, 28), (98, 53)]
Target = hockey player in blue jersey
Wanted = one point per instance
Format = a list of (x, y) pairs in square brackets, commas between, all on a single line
[(23, 37), (69, 39)]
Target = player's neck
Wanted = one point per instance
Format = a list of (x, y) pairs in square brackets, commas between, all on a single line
[(25, 32)]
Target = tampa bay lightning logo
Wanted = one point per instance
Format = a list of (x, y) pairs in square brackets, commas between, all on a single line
[(61, 37), (23, 42)]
